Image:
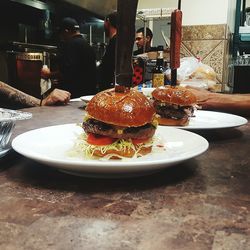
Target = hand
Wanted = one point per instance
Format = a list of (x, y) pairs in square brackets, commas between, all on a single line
[(57, 96)]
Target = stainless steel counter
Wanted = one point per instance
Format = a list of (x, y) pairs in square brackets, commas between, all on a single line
[(202, 203)]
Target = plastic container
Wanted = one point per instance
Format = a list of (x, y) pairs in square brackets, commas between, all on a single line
[(8, 120)]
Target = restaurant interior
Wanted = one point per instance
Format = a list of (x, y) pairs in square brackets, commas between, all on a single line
[(33, 29), (122, 168)]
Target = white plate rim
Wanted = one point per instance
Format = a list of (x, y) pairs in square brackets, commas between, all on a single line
[(217, 116), (111, 166), (86, 98)]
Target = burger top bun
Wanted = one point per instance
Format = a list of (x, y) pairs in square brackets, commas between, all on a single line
[(175, 95), (128, 109)]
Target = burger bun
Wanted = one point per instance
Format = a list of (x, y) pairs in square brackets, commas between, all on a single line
[(128, 109), (174, 95), (173, 122)]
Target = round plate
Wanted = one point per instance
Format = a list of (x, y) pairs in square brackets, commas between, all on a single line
[(51, 146), (213, 120), (86, 98)]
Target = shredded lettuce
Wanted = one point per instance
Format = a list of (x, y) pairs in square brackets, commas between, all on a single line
[(83, 148)]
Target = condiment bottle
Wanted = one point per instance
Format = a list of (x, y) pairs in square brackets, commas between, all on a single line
[(158, 70)]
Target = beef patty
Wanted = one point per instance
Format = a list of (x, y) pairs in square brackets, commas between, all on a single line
[(174, 111), (101, 128)]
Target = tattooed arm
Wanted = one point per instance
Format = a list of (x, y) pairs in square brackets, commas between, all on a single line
[(17, 97), (21, 99)]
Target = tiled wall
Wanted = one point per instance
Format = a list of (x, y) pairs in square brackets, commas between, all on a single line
[(211, 44)]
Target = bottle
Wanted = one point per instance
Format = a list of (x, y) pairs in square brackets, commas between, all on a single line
[(158, 70)]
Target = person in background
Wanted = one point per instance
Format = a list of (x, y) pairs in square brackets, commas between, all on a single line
[(140, 40), (13, 98), (76, 61), (106, 69), (232, 103)]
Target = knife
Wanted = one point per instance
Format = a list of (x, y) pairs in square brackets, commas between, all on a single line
[(175, 44), (125, 38), (45, 84)]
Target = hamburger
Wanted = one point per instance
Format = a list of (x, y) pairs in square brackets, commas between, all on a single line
[(118, 125), (174, 105)]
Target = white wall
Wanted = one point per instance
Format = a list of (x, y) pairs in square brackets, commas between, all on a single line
[(148, 4), (231, 14), (199, 12), (195, 12)]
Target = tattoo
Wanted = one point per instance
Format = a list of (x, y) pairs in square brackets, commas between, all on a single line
[(18, 97)]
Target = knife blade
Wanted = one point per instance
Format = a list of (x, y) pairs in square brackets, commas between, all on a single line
[(175, 44), (45, 84), (126, 14)]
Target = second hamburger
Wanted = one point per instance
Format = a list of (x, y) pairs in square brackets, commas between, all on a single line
[(174, 105)]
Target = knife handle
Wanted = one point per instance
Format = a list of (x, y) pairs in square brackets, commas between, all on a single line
[(175, 39), (126, 11)]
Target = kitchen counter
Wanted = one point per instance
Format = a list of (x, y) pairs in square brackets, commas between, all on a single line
[(202, 203)]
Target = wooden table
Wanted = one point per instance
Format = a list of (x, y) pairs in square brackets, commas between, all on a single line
[(202, 203)]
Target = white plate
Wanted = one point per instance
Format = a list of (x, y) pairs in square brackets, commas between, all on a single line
[(213, 120), (86, 98), (50, 145), (147, 91)]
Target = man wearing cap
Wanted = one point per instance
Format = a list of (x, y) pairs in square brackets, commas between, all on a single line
[(106, 70), (76, 61)]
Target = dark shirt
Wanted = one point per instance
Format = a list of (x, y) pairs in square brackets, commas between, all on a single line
[(140, 51), (106, 69), (78, 67)]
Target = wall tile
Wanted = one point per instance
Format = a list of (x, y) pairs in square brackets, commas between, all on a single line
[(210, 43), (215, 59), (201, 48), (204, 32)]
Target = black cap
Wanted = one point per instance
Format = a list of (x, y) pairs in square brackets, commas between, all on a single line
[(69, 24), (112, 18)]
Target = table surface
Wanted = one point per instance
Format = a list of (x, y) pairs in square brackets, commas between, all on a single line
[(202, 203)]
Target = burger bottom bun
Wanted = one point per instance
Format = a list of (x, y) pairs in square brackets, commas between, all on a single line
[(128, 153), (173, 122)]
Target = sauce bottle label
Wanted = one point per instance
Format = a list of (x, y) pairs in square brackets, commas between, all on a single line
[(158, 80)]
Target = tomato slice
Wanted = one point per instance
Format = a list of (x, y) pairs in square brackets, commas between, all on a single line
[(138, 140), (99, 140)]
